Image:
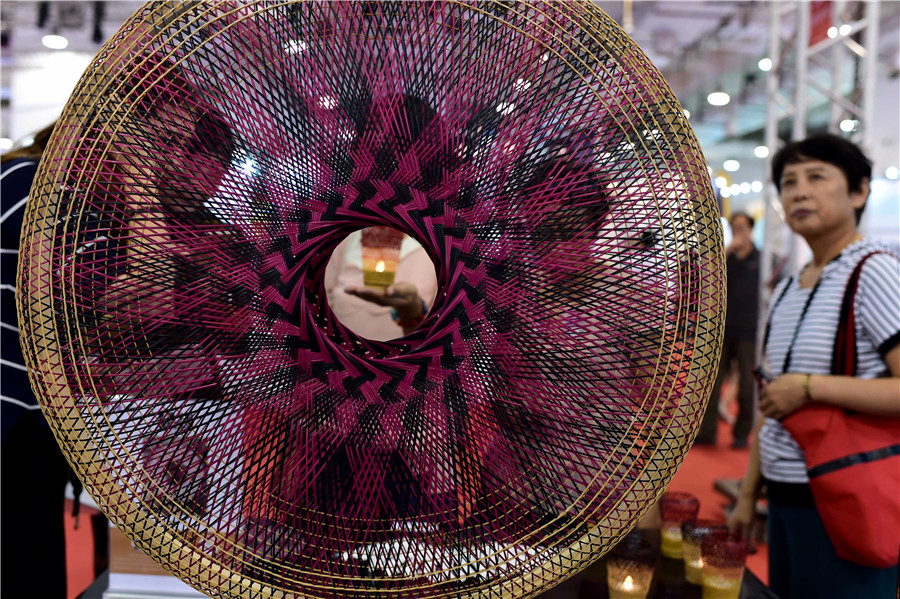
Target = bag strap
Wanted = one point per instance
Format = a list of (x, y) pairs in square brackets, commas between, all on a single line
[(844, 359), (772, 311), (854, 459)]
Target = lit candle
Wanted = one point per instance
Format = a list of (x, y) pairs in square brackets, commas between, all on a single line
[(628, 588), (693, 567), (719, 586), (631, 583), (674, 509), (629, 568), (723, 566), (380, 255), (692, 534), (671, 541)]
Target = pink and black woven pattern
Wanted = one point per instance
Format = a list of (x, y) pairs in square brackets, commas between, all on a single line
[(212, 158)]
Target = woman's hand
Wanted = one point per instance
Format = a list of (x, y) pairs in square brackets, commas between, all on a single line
[(740, 522), (783, 396), (404, 297)]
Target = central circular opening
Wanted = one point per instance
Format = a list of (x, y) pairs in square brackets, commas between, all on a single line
[(380, 283)]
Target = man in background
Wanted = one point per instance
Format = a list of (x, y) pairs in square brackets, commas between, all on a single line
[(739, 345)]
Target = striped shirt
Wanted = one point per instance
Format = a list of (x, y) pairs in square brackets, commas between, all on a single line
[(877, 312), (16, 396)]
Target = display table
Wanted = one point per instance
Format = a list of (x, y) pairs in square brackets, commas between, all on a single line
[(668, 581)]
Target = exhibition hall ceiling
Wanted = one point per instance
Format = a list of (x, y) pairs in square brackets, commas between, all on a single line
[(700, 46)]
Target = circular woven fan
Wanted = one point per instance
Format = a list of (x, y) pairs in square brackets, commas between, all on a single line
[(182, 345)]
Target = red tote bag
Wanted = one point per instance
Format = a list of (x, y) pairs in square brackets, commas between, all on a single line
[(853, 462)]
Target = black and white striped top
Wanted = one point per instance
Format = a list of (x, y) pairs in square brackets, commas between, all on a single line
[(15, 391), (877, 311)]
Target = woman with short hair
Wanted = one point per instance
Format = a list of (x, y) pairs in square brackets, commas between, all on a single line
[(824, 184)]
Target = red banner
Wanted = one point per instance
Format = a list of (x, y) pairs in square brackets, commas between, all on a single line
[(819, 21)]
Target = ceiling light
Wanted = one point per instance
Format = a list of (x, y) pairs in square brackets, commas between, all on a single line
[(731, 165), (5, 143), (504, 108), (521, 84), (718, 98), (734, 188), (687, 113), (725, 192), (745, 187), (892, 172), (55, 42), (845, 29), (848, 125), (328, 102), (832, 32), (761, 151), (765, 64), (756, 186), (721, 182)]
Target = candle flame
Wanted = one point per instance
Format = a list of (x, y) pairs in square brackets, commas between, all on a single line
[(380, 266), (628, 584), (700, 562)]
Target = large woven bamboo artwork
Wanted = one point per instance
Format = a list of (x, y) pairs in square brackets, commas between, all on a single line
[(173, 309)]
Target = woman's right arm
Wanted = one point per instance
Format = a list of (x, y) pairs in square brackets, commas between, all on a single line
[(741, 519)]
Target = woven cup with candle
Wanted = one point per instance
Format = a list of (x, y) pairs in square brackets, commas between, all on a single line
[(692, 534), (380, 255), (674, 509), (629, 568), (724, 558)]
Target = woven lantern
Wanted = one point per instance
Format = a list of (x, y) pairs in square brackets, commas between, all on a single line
[(180, 341)]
